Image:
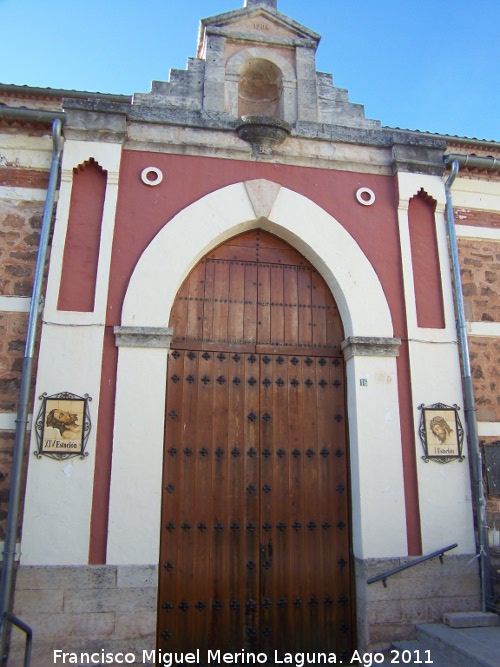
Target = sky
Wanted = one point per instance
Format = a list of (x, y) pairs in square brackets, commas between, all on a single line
[(428, 65)]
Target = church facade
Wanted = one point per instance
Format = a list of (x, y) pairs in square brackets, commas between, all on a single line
[(248, 397)]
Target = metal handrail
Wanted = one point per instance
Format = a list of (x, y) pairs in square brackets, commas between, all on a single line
[(383, 577), (10, 618)]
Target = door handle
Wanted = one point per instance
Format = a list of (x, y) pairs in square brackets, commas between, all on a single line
[(270, 549)]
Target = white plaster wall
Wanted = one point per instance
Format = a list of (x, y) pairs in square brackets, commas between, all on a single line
[(136, 484), (8, 421), (373, 412), (21, 150), (59, 493), (488, 429), (15, 304), (475, 194), (477, 233), (444, 490), (378, 502), (56, 525), (13, 193)]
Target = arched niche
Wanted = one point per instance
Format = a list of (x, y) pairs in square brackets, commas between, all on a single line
[(259, 89), (261, 71)]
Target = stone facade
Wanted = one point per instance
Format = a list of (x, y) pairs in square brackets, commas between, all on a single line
[(479, 251), (477, 218), (21, 220), (305, 190), (23, 181), (484, 355), (13, 332), (480, 261)]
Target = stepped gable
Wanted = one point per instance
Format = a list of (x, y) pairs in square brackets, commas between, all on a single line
[(252, 61)]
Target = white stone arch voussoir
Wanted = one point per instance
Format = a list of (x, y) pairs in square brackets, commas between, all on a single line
[(289, 79), (231, 210), (143, 341)]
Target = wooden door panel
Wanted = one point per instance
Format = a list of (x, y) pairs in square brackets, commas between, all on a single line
[(210, 516), (255, 504), (255, 530), (236, 301)]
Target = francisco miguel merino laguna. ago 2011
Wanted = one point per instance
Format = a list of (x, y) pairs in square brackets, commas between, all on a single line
[(217, 657)]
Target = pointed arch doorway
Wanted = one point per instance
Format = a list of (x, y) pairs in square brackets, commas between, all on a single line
[(255, 534)]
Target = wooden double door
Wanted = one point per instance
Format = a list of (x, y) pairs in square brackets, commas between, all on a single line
[(255, 544)]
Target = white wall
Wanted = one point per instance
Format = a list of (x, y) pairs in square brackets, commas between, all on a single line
[(444, 489), (58, 502)]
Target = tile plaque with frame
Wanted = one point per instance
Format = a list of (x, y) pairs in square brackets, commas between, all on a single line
[(441, 433), (63, 426)]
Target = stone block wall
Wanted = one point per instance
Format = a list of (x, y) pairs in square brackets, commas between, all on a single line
[(85, 608), (19, 237), (420, 594), (484, 356), (477, 218), (13, 326), (480, 269), (20, 222)]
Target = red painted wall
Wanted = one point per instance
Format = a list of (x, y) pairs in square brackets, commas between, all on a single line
[(142, 211), (425, 261), (81, 249)]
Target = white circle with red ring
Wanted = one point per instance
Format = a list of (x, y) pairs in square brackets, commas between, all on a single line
[(151, 176), (365, 196)]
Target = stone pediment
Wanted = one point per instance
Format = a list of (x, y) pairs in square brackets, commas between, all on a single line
[(257, 24)]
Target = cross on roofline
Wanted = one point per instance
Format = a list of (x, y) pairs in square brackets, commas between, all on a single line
[(267, 3)]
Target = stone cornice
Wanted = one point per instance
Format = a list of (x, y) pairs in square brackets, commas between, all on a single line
[(92, 118), (154, 337), (274, 40), (370, 346)]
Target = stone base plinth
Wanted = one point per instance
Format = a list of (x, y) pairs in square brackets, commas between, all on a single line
[(101, 609), (420, 594)]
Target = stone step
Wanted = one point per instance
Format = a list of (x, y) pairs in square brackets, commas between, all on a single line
[(461, 647), (471, 619)]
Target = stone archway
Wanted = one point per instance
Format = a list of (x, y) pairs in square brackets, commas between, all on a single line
[(144, 340)]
